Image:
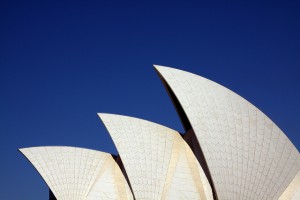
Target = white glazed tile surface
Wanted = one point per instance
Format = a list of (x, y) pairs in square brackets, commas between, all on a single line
[(79, 174), (248, 156), (158, 162), (292, 192)]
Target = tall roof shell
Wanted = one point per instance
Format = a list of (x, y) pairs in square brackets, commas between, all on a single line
[(248, 156), (79, 174), (158, 162)]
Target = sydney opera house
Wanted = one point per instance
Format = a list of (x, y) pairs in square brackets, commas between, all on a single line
[(230, 150)]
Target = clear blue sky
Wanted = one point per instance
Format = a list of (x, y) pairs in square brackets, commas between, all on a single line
[(62, 62)]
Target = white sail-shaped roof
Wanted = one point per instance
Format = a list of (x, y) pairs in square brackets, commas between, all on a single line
[(248, 156), (158, 162), (79, 174), (292, 192)]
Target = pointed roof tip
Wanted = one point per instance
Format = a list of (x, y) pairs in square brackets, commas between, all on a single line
[(161, 68), (111, 114), (22, 149), (104, 116), (157, 67), (101, 115)]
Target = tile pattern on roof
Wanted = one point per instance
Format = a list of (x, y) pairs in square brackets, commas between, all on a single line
[(79, 174), (249, 157), (158, 162), (292, 192)]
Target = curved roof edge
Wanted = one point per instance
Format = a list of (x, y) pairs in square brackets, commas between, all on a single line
[(164, 69), (196, 148), (292, 192), (93, 171), (204, 102), (160, 150)]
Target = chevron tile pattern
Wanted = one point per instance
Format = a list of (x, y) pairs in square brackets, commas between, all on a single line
[(159, 164), (79, 174)]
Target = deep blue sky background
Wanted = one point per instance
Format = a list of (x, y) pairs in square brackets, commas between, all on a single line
[(62, 62)]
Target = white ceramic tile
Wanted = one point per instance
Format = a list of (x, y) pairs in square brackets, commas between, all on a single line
[(263, 161)]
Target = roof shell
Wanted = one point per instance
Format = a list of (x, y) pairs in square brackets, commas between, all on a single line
[(248, 156), (74, 173), (158, 162)]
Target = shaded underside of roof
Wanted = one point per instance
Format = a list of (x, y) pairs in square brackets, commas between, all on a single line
[(292, 192)]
